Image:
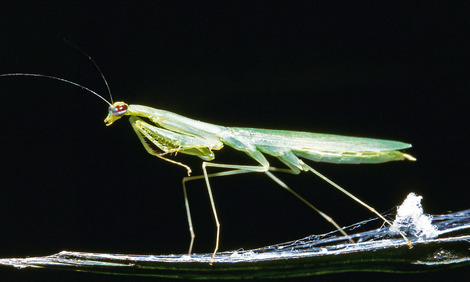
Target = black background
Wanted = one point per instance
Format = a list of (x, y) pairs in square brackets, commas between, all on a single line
[(391, 71)]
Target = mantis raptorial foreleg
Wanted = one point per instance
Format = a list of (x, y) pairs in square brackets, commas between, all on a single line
[(170, 142), (146, 140)]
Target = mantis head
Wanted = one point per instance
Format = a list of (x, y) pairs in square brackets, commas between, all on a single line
[(115, 112)]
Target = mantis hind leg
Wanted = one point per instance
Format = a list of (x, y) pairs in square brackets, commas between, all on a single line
[(322, 214), (307, 167), (296, 164)]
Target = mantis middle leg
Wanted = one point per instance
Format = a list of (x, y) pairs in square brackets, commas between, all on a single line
[(240, 169)]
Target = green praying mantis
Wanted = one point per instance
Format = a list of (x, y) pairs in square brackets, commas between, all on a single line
[(163, 134)]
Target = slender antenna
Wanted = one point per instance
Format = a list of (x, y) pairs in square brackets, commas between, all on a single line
[(96, 65), (59, 79)]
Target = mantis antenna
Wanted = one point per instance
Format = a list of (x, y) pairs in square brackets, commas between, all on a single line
[(59, 79), (96, 66), (71, 82)]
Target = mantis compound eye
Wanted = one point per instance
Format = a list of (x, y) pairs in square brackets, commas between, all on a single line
[(118, 110)]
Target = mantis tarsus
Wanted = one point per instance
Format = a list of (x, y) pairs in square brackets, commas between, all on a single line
[(163, 132)]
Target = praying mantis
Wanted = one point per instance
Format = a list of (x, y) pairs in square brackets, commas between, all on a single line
[(164, 134)]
